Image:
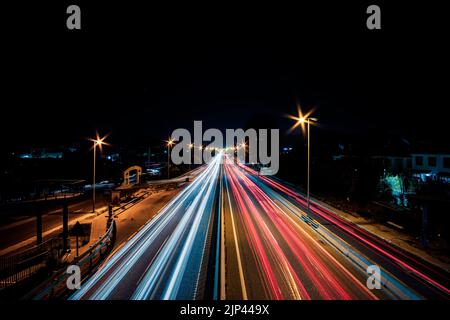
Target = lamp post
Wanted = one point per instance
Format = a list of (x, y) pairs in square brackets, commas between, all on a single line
[(169, 144), (301, 120), (308, 121), (96, 142), (93, 176)]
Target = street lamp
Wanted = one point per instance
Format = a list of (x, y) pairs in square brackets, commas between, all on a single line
[(243, 145), (170, 142), (200, 148), (301, 121), (96, 142)]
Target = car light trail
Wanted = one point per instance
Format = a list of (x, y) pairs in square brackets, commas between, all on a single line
[(268, 248), (394, 288), (405, 261), (287, 258), (163, 260)]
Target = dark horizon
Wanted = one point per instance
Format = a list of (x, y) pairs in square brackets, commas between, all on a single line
[(224, 75)]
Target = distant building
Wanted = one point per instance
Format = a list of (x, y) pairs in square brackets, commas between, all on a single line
[(394, 164), (41, 153), (431, 166)]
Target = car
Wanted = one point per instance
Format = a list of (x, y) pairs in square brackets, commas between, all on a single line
[(100, 186)]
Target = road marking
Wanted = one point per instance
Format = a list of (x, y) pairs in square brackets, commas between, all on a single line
[(222, 245), (321, 248), (18, 223), (241, 273)]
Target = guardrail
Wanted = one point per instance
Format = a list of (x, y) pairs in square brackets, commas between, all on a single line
[(20, 266), (57, 287)]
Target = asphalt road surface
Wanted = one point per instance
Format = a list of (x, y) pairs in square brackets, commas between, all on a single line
[(164, 260), (13, 233), (233, 234)]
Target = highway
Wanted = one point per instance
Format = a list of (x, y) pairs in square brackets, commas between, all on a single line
[(164, 260), (403, 275), (233, 234), (272, 254)]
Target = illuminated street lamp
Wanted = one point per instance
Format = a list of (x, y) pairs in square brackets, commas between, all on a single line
[(243, 145), (96, 142), (301, 121), (170, 142), (201, 148)]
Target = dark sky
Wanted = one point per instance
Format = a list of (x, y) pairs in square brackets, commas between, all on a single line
[(140, 72)]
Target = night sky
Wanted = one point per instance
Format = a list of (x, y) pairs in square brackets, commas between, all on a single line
[(141, 72)]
